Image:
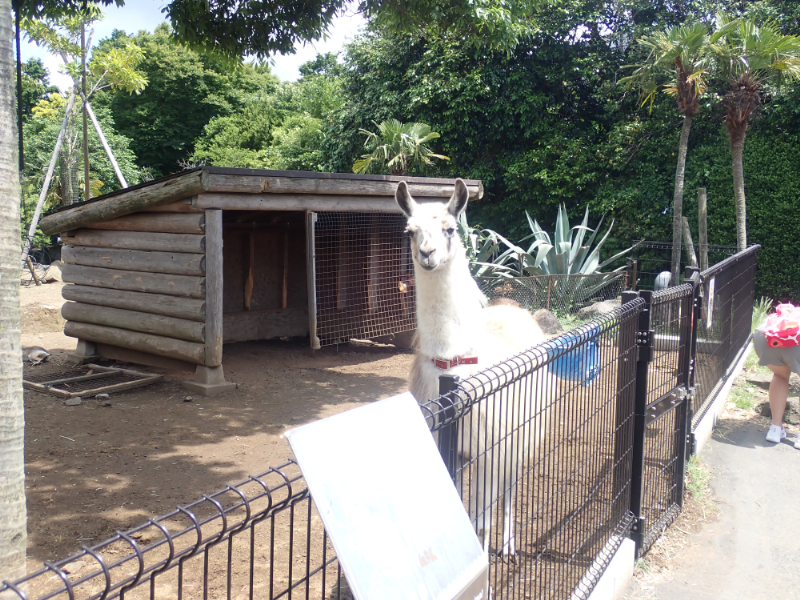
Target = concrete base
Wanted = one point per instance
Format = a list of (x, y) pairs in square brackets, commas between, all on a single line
[(704, 429), (85, 352), (617, 576), (209, 381)]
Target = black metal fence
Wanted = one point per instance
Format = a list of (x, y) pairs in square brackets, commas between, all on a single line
[(559, 454), (649, 259)]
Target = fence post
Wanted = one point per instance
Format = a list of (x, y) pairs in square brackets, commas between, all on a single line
[(448, 435), (626, 373), (644, 343)]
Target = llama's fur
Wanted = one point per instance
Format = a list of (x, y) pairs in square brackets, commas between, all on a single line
[(454, 321)]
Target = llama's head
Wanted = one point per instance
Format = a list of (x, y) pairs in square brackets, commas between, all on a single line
[(432, 226)]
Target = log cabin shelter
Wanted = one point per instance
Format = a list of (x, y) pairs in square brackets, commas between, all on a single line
[(167, 272)]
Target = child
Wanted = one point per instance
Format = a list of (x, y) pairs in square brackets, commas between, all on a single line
[(777, 344)]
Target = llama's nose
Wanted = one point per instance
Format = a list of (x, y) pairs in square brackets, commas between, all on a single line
[(425, 255)]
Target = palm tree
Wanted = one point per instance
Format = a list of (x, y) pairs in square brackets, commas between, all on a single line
[(749, 56), (399, 145), (681, 54), (13, 535)]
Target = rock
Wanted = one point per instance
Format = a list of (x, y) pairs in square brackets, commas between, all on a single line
[(53, 273), (106, 403), (790, 416), (763, 380), (73, 567), (102, 396), (599, 308), (73, 401), (548, 322), (188, 399)]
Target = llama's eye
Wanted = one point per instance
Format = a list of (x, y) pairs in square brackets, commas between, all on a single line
[(409, 233), (449, 231)]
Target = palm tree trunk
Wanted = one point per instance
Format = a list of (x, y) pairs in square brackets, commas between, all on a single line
[(19, 90), (13, 535), (737, 148), (677, 200)]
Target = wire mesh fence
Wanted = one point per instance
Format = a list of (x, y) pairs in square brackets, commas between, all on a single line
[(364, 276), (653, 258), (540, 450), (563, 295), (724, 324), (558, 453)]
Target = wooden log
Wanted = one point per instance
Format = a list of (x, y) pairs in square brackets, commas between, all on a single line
[(140, 240), (175, 263), (249, 282), (264, 324), (181, 206), (303, 202), (156, 222), (702, 227), (285, 284), (214, 293), (348, 185), (691, 258), (311, 279), (180, 329), (144, 342), (143, 358), (157, 304), (154, 283), (122, 203)]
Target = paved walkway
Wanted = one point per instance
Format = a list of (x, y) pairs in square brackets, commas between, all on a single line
[(753, 550)]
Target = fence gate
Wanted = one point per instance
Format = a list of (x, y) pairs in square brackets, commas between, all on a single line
[(663, 384)]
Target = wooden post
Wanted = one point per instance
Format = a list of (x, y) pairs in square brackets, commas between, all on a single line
[(214, 282), (702, 227), (311, 281), (687, 238), (32, 270), (249, 281), (87, 194), (285, 294)]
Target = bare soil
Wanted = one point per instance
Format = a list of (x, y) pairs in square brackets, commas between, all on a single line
[(108, 465)]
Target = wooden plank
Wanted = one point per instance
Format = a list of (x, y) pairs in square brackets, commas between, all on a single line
[(257, 184), (156, 283), (702, 226), (143, 358), (264, 324), (153, 344), (175, 263), (155, 222), (157, 304), (139, 240), (102, 375), (131, 320), (249, 266), (43, 389), (303, 202), (181, 206), (214, 283), (285, 286), (127, 201)]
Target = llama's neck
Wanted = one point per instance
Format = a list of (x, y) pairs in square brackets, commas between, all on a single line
[(449, 307)]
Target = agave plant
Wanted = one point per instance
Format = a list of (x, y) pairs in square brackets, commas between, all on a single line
[(483, 247)]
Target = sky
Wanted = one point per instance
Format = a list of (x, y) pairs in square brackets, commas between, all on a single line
[(146, 14)]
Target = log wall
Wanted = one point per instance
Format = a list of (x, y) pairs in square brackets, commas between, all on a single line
[(140, 283)]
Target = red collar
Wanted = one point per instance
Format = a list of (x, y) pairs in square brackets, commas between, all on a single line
[(444, 364)]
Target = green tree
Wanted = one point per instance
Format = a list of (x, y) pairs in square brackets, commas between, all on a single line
[(398, 146), (681, 54), (186, 90), (35, 85), (750, 56)]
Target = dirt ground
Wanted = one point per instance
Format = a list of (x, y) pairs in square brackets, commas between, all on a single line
[(96, 468)]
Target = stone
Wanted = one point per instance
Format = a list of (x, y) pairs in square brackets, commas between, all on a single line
[(53, 273), (188, 399), (790, 416), (102, 396), (73, 401), (763, 380), (73, 567), (548, 322), (599, 308)]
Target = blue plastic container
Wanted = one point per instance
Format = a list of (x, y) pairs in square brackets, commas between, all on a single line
[(580, 364)]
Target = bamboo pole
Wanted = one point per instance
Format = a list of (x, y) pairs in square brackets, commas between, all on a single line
[(691, 258), (86, 188), (104, 142), (48, 177)]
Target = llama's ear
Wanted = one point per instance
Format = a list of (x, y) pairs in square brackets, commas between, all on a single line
[(404, 200), (459, 199)]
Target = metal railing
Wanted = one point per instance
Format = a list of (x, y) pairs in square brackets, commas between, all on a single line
[(558, 453)]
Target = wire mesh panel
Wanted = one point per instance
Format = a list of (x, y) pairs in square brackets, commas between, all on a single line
[(670, 321), (724, 324), (364, 276), (560, 294), (541, 454)]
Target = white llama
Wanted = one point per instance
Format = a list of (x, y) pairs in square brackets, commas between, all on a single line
[(458, 334)]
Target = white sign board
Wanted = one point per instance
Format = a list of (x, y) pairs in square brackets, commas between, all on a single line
[(390, 508)]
